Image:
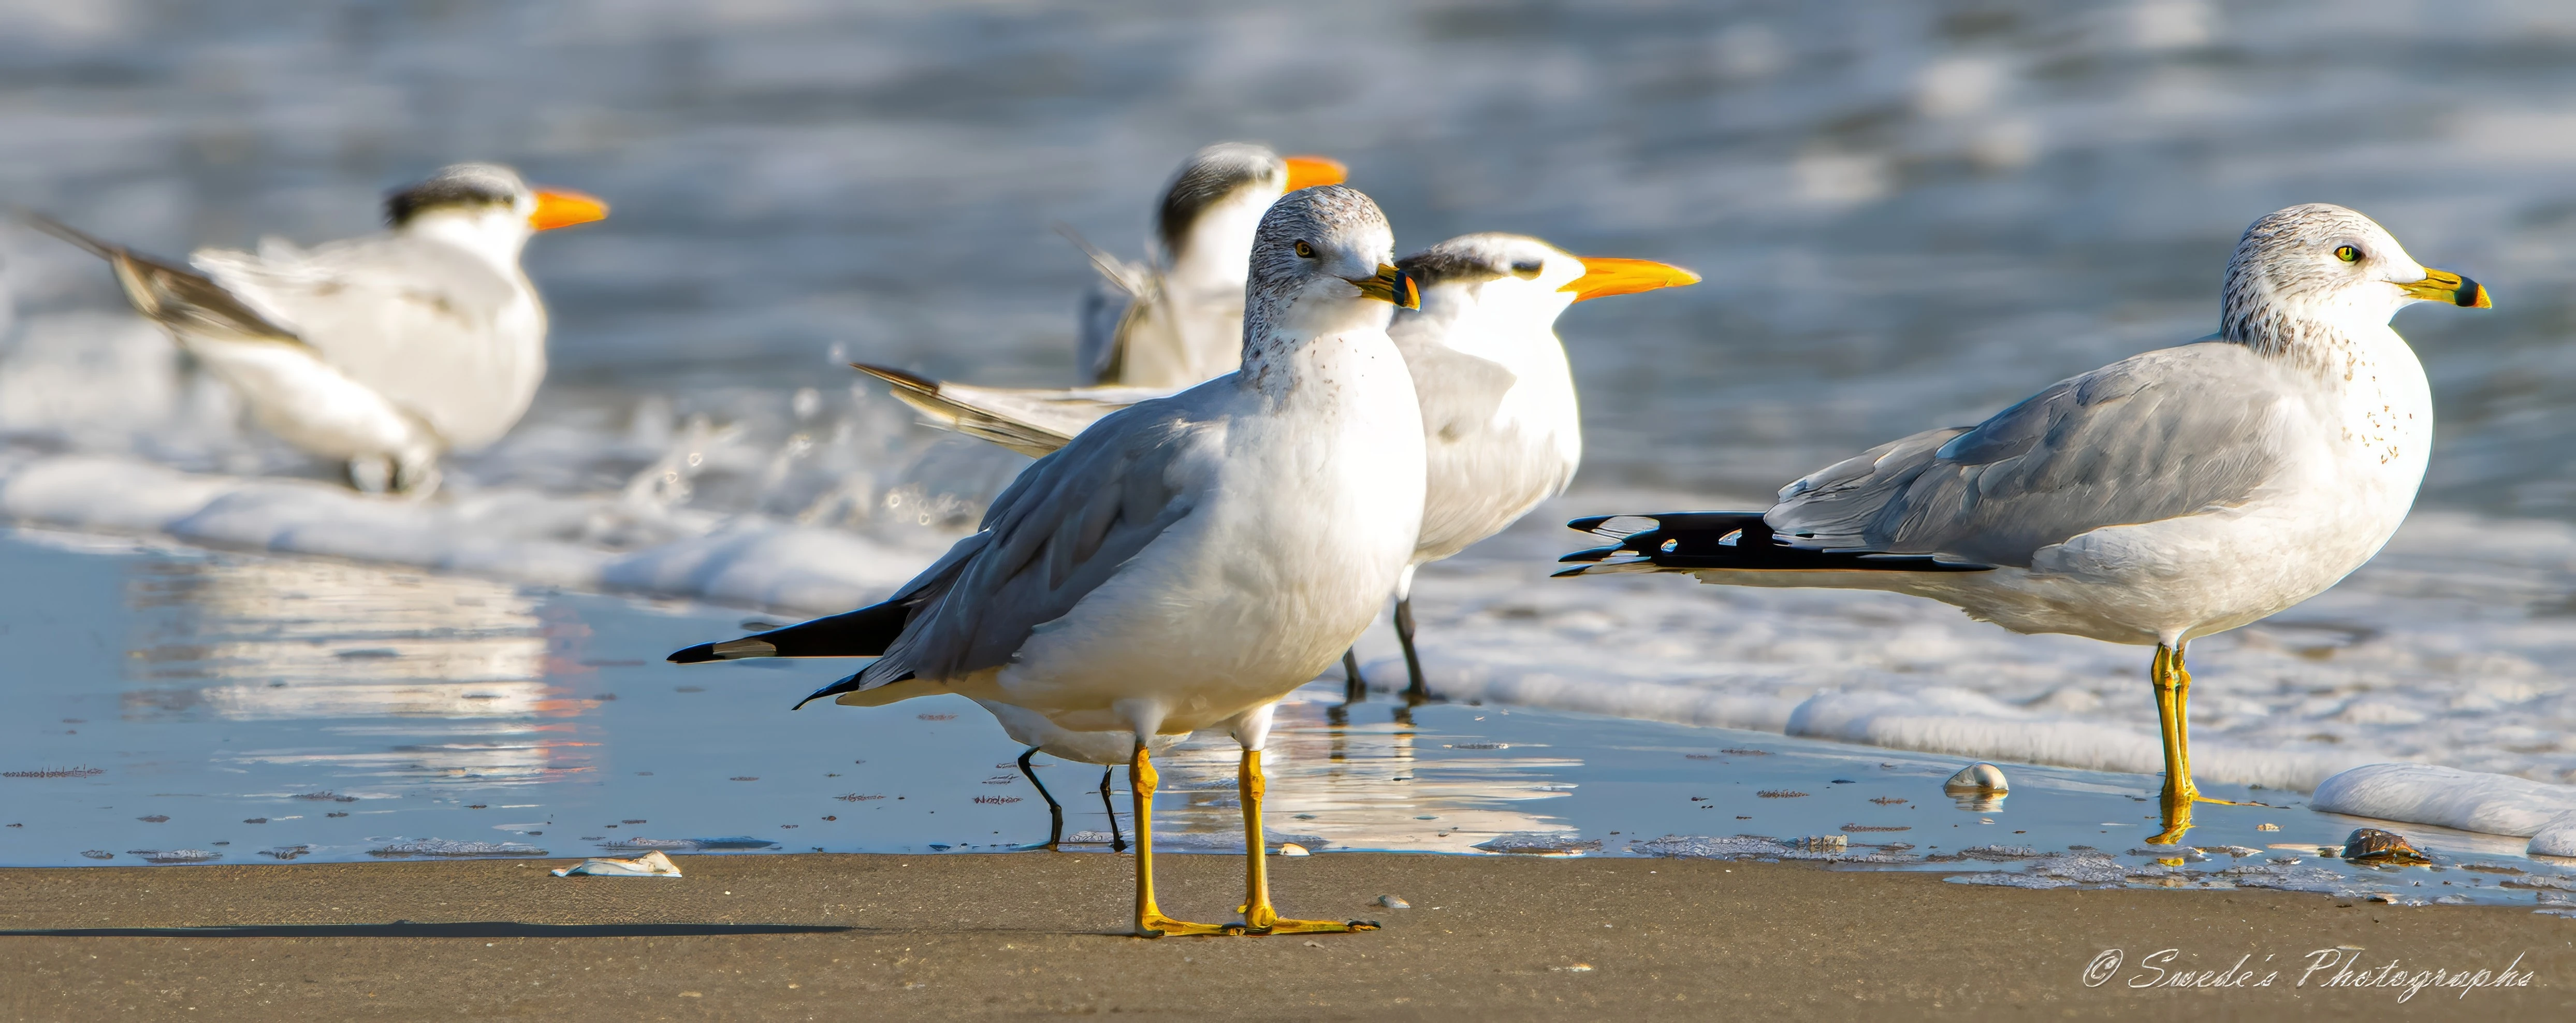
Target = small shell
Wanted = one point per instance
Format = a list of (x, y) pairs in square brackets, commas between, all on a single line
[(1392, 902), (1292, 849), (1978, 777), (2267, 827), (2371, 845)]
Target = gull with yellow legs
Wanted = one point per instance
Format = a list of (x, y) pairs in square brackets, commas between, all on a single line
[(2168, 496), (1190, 560), (1502, 429)]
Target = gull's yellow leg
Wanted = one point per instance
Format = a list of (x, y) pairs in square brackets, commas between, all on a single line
[(2173, 704), (2182, 729), (2179, 793), (1258, 915), (1150, 921)]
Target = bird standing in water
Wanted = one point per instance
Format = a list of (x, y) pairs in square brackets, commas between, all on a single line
[(1190, 560), (2162, 498), (382, 352)]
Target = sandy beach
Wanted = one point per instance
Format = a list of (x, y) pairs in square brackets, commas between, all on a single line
[(1002, 936)]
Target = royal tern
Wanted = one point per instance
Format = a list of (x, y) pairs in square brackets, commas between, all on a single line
[(1188, 561), (1177, 318), (383, 352), (2165, 497), (1500, 423)]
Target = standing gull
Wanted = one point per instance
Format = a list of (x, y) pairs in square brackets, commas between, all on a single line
[(383, 352), (1177, 318), (1501, 428), (2165, 497), (1190, 560)]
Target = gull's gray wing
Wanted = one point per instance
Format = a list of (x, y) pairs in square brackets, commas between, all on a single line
[(411, 319), (2154, 436), (1060, 531)]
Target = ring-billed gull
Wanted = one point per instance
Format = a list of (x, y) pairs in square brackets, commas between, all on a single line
[(1177, 318), (2165, 497), (383, 352), (1188, 561), (1499, 416)]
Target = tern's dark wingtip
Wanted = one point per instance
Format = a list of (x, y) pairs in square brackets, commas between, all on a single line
[(698, 654), (1589, 523), (1590, 554)]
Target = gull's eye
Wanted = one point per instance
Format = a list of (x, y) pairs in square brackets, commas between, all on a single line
[(1305, 251), (1527, 269), (2348, 254)]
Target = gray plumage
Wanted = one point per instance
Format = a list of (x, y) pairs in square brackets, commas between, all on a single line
[(1059, 531), (2150, 437)]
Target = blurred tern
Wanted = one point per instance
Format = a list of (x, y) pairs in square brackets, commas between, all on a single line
[(383, 352), (1500, 422), (2165, 497), (1190, 560), (1177, 319)]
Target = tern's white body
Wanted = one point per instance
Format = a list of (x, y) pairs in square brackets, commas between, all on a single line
[(426, 336)]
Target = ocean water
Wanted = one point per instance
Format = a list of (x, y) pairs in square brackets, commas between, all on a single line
[(176, 705), (1908, 215)]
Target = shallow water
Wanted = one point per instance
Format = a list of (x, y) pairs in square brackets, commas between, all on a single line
[(178, 705), (1909, 215)]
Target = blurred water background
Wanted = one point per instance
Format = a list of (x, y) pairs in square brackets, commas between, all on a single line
[(1908, 215)]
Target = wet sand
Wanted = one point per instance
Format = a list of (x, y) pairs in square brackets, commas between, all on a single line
[(845, 937)]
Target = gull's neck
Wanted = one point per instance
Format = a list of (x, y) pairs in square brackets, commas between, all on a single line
[(495, 234), (2329, 335), (1315, 337)]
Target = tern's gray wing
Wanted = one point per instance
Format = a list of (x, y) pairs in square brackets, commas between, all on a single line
[(1061, 530), (187, 302), (412, 319), (2155, 436)]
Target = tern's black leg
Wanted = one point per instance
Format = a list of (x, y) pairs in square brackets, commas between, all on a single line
[(1415, 692), (1116, 843), (1354, 685), (1055, 810)]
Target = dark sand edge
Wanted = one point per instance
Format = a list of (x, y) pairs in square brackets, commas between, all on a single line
[(830, 936)]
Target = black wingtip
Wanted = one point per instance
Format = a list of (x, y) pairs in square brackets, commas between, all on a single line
[(899, 378), (1591, 554), (1589, 523), (835, 689), (698, 654)]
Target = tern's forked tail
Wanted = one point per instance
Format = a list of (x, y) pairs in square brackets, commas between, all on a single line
[(1697, 541)]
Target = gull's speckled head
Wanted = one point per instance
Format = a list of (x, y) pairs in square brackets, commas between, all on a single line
[(2324, 263), (1324, 247)]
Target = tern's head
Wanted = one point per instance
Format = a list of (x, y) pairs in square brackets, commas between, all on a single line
[(1323, 262), (1211, 205), (2320, 263), (487, 203), (1518, 275)]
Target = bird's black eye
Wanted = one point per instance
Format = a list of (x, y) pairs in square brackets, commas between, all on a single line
[(1305, 251), (2348, 254), (1527, 269)]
